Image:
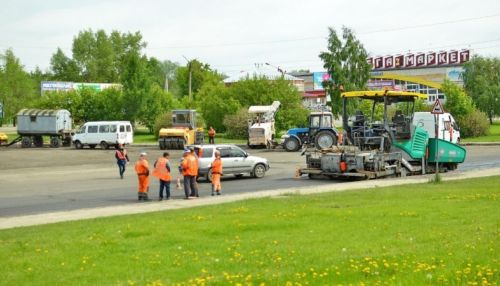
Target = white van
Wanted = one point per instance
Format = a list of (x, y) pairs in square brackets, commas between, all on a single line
[(104, 133), (447, 127)]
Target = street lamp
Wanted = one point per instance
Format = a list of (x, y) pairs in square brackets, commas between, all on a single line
[(190, 75), (278, 68)]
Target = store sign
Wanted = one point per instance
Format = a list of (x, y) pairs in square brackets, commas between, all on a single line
[(420, 59)]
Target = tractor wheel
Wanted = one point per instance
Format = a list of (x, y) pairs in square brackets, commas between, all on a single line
[(325, 139), (162, 145), (291, 144), (26, 142), (38, 141), (55, 142)]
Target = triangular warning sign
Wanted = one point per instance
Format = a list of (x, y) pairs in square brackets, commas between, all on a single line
[(437, 108)]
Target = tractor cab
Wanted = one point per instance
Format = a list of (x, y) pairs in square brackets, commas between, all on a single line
[(389, 119), (184, 118)]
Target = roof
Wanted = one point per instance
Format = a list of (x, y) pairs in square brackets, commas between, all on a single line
[(382, 93), (40, 112), (270, 74)]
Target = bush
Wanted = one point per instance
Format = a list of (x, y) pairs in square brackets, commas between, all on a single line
[(474, 124), (236, 124), (162, 121)]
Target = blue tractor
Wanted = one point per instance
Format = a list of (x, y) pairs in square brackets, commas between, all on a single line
[(320, 133)]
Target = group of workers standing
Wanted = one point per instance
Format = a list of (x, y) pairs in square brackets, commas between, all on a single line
[(188, 168)]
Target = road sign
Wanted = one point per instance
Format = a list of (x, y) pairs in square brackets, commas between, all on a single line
[(437, 108)]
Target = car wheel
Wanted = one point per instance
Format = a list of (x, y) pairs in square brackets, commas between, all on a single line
[(104, 145), (209, 176), (291, 144), (259, 171), (324, 140), (79, 145)]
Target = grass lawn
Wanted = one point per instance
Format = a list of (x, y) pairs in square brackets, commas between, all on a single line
[(494, 135), (428, 234)]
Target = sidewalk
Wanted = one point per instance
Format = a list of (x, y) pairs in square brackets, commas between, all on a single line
[(136, 208)]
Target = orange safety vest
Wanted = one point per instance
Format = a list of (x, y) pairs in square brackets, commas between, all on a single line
[(121, 155), (193, 165), (185, 165), (211, 132), (217, 166), (161, 170), (142, 168)]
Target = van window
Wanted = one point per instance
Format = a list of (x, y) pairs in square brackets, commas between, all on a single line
[(112, 128), (122, 128), (129, 128), (92, 129), (104, 129), (82, 129)]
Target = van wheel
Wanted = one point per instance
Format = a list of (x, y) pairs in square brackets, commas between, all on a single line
[(259, 171), (79, 145), (104, 145), (92, 146)]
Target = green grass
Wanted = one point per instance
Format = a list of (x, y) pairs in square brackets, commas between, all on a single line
[(494, 135), (428, 234)]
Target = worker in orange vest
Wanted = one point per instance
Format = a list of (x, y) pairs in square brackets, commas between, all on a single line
[(142, 170), (189, 168), (216, 174), (162, 172), (211, 135), (121, 156)]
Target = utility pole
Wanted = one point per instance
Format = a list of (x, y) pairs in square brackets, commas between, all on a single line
[(190, 76), (277, 68)]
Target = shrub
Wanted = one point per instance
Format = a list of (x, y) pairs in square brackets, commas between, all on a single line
[(474, 124), (236, 124), (162, 121)]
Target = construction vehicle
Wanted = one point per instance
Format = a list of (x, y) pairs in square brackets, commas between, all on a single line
[(381, 147), (33, 124), (320, 132), (182, 132), (261, 130), (4, 139)]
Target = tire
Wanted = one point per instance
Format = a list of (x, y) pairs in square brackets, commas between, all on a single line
[(38, 141), (259, 171), (208, 176), (79, 145), (162, 145), (55, 142), (26, 142), (92, 146), (325, 139), (66, 141), (104, 145), (291, 144)]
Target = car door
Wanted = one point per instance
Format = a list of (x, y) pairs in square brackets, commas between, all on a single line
[(239, 158), (227, 161)]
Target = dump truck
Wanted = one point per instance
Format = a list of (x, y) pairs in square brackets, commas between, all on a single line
[(381, 147), (182, 132), (33, 124)]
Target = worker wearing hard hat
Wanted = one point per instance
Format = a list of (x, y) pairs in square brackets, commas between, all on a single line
[(142, 170), (189, 167)]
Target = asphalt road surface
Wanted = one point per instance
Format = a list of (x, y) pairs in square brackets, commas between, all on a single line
[(42, 180)]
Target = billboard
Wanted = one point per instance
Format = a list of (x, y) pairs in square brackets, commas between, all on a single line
[(411, 60), (67, 86), (318, 79)]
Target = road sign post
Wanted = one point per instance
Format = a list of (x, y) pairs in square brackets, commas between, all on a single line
[(436, 110)]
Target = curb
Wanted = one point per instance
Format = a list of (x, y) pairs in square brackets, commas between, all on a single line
[(63, 216)]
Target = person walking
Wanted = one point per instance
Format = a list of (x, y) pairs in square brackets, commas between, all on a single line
[(216, 174), (142, 170), (211, 135), (162, 172), (122, 159)]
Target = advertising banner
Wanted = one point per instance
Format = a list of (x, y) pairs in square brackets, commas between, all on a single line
[(318, 79)]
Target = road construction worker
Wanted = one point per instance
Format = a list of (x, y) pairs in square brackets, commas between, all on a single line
[(216, 174), (162, 172), (142, 170), (184, 170), (121, 156), (189, 168), (194, 164), (211, 135)]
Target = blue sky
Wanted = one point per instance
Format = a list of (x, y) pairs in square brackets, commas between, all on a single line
[(233, 36)]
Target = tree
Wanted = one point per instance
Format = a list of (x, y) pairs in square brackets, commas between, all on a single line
[(17, 89), (346, 63), (457, 102), (216, 104), (64, 68), (200, 74), (482, 83)]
